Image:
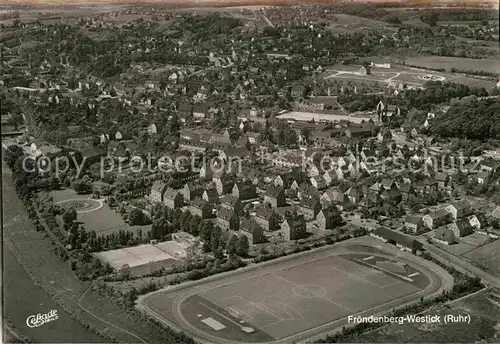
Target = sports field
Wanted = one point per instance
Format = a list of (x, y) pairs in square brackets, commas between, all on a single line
[(397, 74), (294, 299), (144, 258)]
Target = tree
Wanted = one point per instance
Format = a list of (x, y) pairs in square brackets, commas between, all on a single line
[(82, 186), (136, 217), (232, 245), (215, 239), (243, 246), (69, 216), (125, 272)]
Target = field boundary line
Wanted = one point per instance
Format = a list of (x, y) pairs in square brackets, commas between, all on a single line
[(322, 297), (355, 277)]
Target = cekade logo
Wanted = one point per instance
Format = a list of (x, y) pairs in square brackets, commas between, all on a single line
[(40, 319)]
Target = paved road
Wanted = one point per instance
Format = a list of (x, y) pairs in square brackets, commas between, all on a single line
[(457, 262)]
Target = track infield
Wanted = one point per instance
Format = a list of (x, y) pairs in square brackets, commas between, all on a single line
[(293, 299)]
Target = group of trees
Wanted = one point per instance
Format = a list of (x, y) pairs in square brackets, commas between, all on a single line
[(167, 221), (471, 118)]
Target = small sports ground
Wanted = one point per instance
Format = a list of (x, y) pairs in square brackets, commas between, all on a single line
[(294, 299), (145, 258)]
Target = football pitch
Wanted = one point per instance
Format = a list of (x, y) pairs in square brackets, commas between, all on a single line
[(294, 299)]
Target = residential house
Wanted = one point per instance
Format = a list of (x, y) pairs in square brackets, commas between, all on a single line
[(373, 193), (275, 196), (207, 172), (201, 208), (430, 184), (267, 218), (444, 236), (283, 180), (393, 196), (293, 227), (368, 155), (172, 198), (477, 221), (309, 207), (406, 190), (319, 183), (461, 228), (330, 176), (244, 191), (192, 190), (157, 191), (442, 180), (437, 218), (333, 195), (210, 195), (327, 218), (200, 111), (354, 194), (414, 223), (223, 183), (231, 202), (254, 176), (227, 219), (252, 231), (459, 209), (152, 129)]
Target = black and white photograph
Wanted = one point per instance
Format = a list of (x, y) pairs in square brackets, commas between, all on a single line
[(250, 172)]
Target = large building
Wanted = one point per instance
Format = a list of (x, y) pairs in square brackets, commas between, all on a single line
[(157, 191), (403, 242)]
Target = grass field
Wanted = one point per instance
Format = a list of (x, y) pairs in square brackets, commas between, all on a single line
[(348, 23), (446, 62), (291, 299), (484, 326), (467, 244), (487, 256), (103, 219)]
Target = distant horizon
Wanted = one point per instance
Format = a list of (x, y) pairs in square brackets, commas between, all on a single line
[(236, 3)]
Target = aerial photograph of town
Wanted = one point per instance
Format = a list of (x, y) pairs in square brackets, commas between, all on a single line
[(256, 172)]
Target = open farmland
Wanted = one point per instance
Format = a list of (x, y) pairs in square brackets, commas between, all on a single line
[(294, 299), (99, 217), (446, 62), (348, 23), (487, 257), (484, 325)]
